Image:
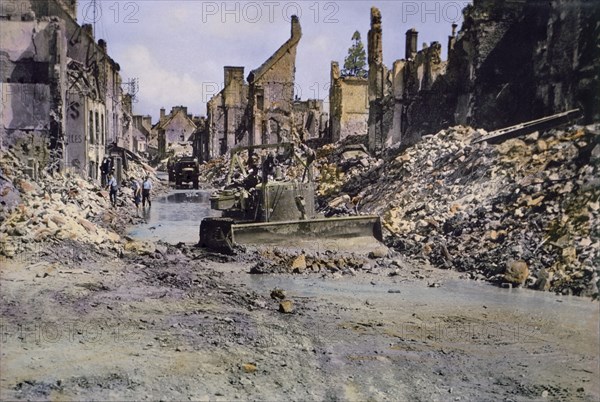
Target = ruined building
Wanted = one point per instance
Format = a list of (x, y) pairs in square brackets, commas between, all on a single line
[(271, 93), (310, 120), (62, 97), (175, 131), (226, 124), (512, 61), (261, 110), (348, 105), (391, 92)]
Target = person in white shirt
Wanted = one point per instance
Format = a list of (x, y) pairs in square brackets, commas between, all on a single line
[(146, 187)]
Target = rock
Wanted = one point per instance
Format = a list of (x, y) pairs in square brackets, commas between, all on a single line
[(516, 272), (569, 255), (249, 367), (277, 294), (139, 247), (58, 220), (299, 264), (286, 307), (341, 200), (544, 280), (89, 226), (161, 248), (379, 252)]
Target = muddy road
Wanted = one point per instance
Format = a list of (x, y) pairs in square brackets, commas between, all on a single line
[(183, 324)]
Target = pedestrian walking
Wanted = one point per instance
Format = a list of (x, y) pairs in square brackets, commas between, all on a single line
[(146, 187), (137, 194), (113, 187), (105, 170)]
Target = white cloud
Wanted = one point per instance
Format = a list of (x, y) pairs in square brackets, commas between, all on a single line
[(160, 86)]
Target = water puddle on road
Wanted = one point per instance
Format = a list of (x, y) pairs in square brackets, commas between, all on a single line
[(174, 217), (569, 310)]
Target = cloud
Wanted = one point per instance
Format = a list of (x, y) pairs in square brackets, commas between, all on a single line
[(160, 86)]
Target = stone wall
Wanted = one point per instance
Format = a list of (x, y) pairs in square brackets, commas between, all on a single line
[(348, 105), (226, 125), (310, 121)]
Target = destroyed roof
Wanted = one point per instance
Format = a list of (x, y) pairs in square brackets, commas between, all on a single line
[(256, 74), (162, 124)]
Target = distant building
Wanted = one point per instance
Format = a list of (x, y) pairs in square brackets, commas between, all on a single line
[(175, 131), (142, 129)]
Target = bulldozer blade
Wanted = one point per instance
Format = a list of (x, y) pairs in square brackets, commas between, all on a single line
[(355, 233)]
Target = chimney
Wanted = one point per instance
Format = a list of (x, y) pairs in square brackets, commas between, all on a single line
[(334, 73), (452, 40), (162, 113), (411, 43), (233, 74), (296, 29), (89, 29), (102, 45)]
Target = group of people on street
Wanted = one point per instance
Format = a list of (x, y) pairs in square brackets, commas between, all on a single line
[(141, 190)]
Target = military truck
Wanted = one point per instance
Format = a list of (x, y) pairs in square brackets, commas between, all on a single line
[(185, 170)]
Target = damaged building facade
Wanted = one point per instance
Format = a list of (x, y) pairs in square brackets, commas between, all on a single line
[(261, 109), (348, 105), (176, 131), (488, 81), (392, 91), (62, 96)]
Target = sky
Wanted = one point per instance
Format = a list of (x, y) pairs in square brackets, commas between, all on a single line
[(177, 49)]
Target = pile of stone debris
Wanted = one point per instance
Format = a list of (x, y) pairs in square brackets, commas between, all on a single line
[(336, 166), (58, 208), (214, 172), (525, 211)]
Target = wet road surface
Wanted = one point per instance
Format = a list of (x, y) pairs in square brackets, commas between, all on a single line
[(174, 217)]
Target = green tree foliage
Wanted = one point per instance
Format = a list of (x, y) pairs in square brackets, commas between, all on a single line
[(355, 62)]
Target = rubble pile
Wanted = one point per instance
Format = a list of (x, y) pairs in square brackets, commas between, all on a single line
[(214, 172), (58, 208), (287, 261), (525, 211), (335, 167)]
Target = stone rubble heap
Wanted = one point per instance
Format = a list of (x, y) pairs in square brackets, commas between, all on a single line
[(59, 208), (335, 166), (214, 172), (525, 211)]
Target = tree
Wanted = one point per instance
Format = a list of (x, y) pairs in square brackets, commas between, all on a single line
[(354, 63)]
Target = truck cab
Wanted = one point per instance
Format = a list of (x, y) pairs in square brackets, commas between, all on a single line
[(185, 170)]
